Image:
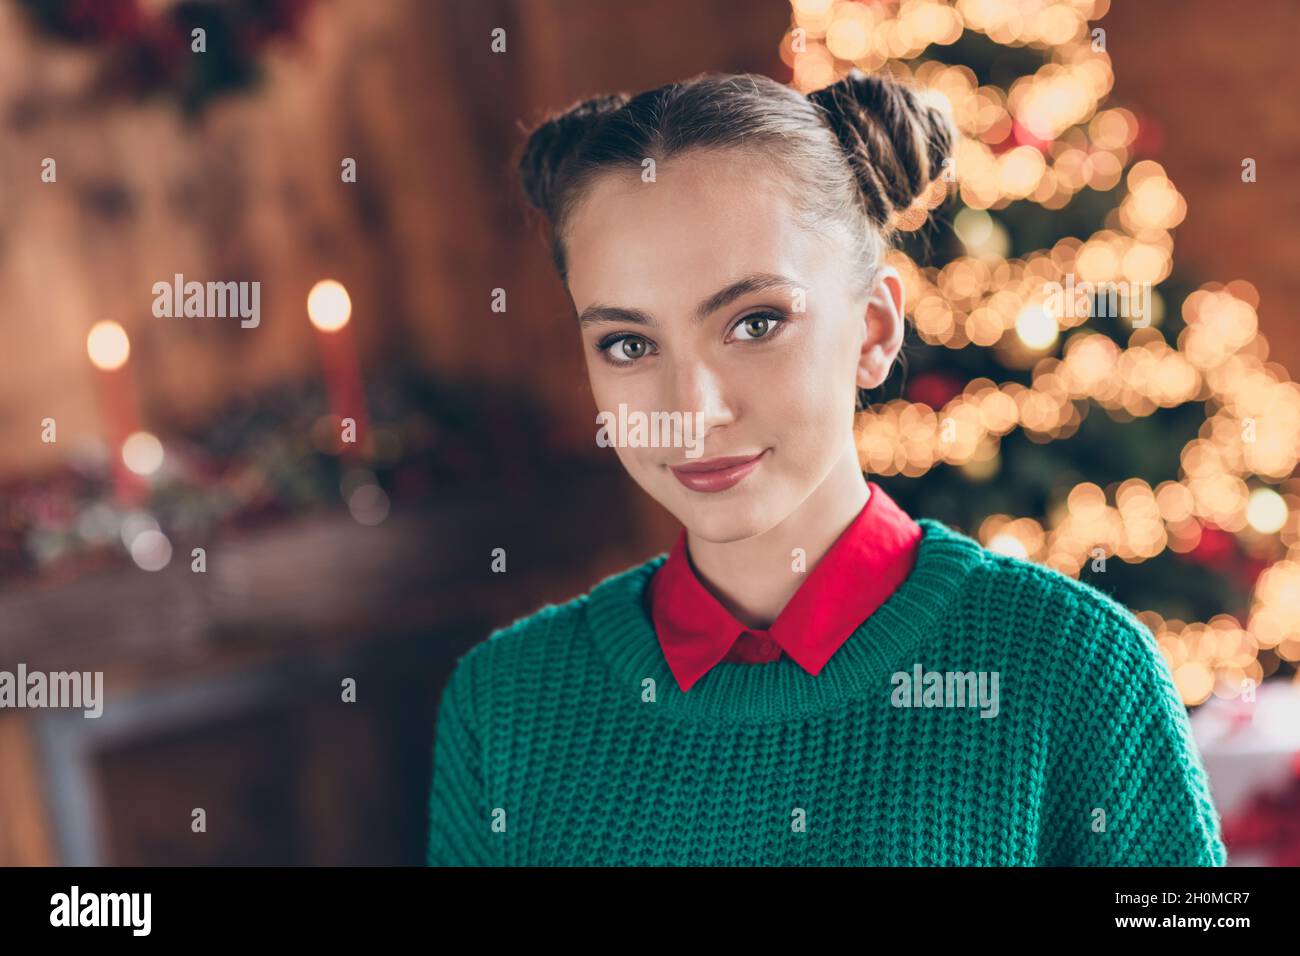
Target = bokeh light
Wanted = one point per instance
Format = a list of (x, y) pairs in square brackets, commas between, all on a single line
[(328, 305), (108, 346)]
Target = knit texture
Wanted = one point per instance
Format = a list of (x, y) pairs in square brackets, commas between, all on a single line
[(563, 739)]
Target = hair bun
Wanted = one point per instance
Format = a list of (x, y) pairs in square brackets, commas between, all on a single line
[(895, 142), (554, 140)]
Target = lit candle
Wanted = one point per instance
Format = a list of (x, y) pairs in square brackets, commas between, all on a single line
[(108, 347), (330, 308)]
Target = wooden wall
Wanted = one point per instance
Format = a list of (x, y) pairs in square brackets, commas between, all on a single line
[(1219, 82), (411, 90)]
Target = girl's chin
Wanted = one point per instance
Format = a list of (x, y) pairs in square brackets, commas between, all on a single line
[(722, 521)]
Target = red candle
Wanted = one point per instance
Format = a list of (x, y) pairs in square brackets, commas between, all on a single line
[(108, 348), (329, 308)]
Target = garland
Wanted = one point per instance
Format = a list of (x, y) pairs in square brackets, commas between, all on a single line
[(147, 53)]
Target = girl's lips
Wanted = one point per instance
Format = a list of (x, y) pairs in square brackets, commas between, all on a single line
[(716, 474)]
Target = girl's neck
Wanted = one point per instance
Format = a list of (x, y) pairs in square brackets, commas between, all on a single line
[(755, 578)]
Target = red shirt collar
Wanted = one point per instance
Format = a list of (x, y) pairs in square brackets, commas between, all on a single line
[(865, 565)]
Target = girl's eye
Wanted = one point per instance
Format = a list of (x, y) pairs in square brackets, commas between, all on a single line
[(759, 325), (624, 349)]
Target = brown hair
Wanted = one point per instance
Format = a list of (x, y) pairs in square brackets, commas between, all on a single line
[(854, 153)]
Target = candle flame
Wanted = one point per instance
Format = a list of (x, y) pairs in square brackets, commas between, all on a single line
[(328, 305), (108, 346)]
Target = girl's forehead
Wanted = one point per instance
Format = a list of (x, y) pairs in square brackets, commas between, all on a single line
[(701, 189), (638, 244)]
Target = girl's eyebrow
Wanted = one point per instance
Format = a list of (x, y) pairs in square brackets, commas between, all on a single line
[(755, 282)]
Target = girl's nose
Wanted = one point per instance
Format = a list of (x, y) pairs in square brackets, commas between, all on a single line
[(702, 389)]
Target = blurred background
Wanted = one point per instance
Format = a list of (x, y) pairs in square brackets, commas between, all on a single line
[(237, 522)]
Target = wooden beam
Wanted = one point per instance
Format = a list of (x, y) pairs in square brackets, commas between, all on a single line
[(25, 835)]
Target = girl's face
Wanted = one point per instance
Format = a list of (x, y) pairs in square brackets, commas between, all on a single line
[(654, 269)]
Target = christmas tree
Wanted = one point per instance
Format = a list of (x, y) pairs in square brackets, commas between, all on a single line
[(1065, 394)]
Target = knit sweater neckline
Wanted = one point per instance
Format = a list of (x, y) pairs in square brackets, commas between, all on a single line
[(619, 625)]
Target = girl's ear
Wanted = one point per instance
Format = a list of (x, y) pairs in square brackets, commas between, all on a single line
[(884, 327)]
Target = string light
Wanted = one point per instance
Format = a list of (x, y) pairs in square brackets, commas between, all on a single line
[(1266, 511), (1043, 140)]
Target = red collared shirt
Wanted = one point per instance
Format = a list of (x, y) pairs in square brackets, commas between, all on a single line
[(865, 565)]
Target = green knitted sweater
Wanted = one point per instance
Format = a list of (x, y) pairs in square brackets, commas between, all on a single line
[(563, 739)]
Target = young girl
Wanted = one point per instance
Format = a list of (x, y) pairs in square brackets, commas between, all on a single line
[(810, 676)]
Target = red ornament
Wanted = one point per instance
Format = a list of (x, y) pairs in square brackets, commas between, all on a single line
[(935, 389), (1150, 137), (1270, 822), (1023, 137), (1250, 570), (1215, 549)]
